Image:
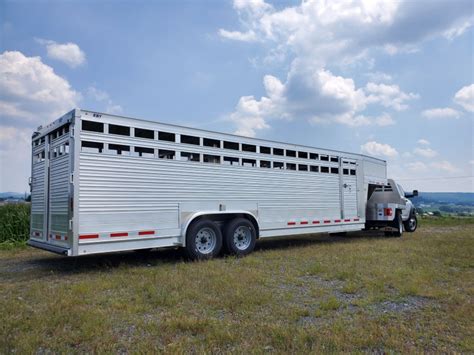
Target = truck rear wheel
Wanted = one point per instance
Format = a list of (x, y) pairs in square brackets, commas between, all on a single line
[(203, 240), (411, 224), (239, 237), (397, 224)]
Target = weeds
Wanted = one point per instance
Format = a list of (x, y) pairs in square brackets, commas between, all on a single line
[(14, 225)]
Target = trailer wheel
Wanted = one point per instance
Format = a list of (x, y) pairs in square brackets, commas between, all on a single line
[(203, 240), (412, 222), (239, 237)]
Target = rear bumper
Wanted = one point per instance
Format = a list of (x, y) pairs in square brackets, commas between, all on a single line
[(49, 247)]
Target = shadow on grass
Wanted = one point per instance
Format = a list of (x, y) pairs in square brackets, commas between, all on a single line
[(47, 264)]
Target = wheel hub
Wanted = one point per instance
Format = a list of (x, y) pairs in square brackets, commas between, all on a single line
[(242, 237), (206, 240)]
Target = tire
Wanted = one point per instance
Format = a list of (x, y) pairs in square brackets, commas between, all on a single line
[(203, 240), (240, 237), (412, 223), (398, 224)]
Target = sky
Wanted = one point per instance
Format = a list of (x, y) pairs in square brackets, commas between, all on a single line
[(394, 80)]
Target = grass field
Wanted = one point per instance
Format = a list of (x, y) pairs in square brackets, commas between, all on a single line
[(362, 292)]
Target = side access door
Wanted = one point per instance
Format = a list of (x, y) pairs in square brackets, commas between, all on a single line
[(348, 178)]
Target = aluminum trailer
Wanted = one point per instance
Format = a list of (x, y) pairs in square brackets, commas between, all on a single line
[(105, 183)]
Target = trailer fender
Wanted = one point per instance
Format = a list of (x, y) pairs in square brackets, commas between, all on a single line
[(217, 214)]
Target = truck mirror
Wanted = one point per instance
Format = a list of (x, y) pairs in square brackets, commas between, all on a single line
[(410, 195)]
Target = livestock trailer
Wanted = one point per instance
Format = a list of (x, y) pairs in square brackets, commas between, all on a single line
[(106, 183)]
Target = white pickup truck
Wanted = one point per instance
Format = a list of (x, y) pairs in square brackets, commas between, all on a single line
[(389, 209)]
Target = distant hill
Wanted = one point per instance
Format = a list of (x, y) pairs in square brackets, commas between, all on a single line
[(14, 195), (456, 198)]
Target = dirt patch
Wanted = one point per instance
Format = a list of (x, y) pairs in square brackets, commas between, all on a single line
[(408, 304)]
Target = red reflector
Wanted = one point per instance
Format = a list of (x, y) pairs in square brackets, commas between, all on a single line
[(337, 220), (356, 219), (58, 236), (118, 234), (326, 221), (146, 232), (347, 220), (304, 222), (387, 211), (316, 222), (88, 236), (291, 223)]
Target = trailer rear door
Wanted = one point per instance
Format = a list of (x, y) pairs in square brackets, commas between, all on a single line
[(51, 188)]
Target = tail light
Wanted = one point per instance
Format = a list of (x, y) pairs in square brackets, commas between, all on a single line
[(387, 212)]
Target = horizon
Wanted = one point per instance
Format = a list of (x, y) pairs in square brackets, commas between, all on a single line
[(355, 77)]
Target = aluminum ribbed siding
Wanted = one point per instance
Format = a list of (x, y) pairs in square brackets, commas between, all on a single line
[(59, 193), (38, 196), (125, 193)]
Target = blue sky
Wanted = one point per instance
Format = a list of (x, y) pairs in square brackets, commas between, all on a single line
[(389, 79)]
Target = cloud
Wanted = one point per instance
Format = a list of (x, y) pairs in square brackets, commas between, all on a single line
[(378, 149), (340, 30), (318, 96), (457, 30), (31, 92), (104, 98), (378, 77), (248, 36), (444, 165), (384, 120), (389, 96), (417, 166), (425, 152), (15, 157), (465, 98), (314, 35), (68, 53), (423, 142), (438, 113)]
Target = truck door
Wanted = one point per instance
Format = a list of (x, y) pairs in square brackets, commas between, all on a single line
[(348, 176)]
